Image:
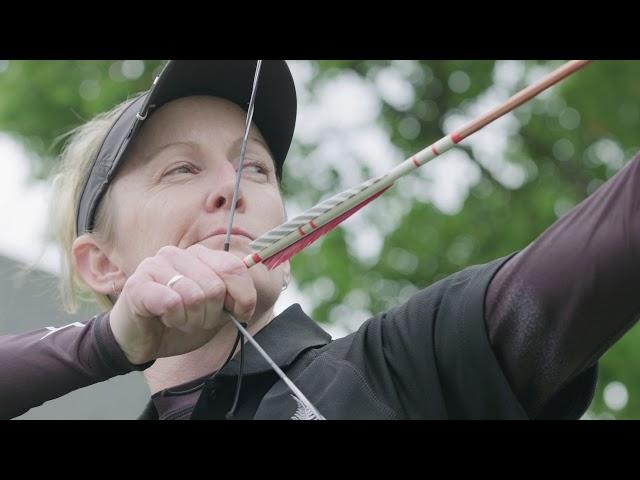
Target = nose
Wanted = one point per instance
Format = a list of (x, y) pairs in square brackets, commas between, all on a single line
[(221, 196)]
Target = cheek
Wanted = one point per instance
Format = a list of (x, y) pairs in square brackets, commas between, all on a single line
[(145, 224), (272, 208), (164, 220)]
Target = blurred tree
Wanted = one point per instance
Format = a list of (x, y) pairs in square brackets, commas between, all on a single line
[(44, 99), (540, 161)]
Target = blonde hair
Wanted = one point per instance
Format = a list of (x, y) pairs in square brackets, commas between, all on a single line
[(80, 150)]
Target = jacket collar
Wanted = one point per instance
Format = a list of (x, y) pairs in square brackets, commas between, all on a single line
[(284, 339)]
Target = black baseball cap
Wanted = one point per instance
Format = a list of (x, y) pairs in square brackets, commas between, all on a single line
[(274, 114)]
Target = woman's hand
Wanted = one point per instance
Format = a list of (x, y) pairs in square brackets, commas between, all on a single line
[(151, 320)]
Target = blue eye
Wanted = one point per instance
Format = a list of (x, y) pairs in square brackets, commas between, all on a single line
[(181, 169), (255, 168)]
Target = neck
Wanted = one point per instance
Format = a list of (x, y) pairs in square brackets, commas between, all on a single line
[(173, 371)]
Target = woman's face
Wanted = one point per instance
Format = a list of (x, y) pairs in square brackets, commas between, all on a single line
[(177, 188)]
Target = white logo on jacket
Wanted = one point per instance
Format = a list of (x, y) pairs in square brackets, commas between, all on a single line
[(302, 412), (54, 329)]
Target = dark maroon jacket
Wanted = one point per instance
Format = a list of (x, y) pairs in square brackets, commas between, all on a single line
[(546, 316)]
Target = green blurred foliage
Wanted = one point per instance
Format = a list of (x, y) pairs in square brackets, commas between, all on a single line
[(561, 141), (42, 100), (566, 143)]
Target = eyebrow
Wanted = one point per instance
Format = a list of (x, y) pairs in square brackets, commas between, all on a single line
[(150, 156), (235, 147), (237, 144)]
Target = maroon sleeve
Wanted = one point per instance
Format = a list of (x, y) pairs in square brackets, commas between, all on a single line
[(44, 364), (558, 305)]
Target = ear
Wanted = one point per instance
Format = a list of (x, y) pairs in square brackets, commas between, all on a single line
[(93, 263)]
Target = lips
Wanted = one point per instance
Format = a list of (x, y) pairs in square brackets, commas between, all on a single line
[(234, 231)]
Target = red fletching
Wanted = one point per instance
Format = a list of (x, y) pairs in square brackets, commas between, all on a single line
[(296, 247)]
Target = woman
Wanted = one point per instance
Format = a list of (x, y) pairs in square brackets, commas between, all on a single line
[(146, 193)]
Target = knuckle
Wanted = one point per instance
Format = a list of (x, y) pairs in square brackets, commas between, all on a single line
[(232, 265), (194, 299), (132, 283), (216, 290), (247, 305), (136, 288), (248, 309), (173, 305), (196, 249), (168, 251), (147, 264), (250, 305), (175, 315), (219, 261)]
